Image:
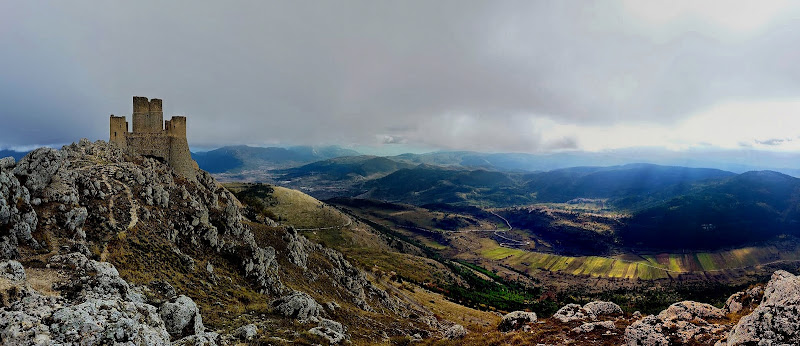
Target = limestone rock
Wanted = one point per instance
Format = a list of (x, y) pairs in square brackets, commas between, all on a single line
[(600, 308), (246, 332), (12, 270), (515, 320), (589, 312), (456, 331), (298, 305), (37, 168), (7, 163), (331, 330), (777, 319), (684, 321), (181, 317), (590, 326)]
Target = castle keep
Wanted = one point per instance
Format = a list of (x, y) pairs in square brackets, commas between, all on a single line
[(154, 137)]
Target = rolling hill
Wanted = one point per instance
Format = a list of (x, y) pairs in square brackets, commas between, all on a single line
[(752, 206), (242, 157)]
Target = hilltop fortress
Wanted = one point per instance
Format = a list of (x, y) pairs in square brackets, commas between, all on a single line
[(154, 137)]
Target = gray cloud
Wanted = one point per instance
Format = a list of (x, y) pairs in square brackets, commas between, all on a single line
[(318, 72), (774, 141)]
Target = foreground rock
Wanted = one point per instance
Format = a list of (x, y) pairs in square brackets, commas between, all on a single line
[(516, 320), (589, 312), (298, 305), (777, 319), (686, 322), (181, 317)]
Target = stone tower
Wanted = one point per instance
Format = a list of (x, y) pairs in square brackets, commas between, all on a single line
[(154, 137)]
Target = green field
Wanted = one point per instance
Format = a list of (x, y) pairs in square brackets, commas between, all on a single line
[(646, 267)]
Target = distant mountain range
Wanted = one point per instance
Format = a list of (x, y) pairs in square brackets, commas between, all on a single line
[(236, 158), (242, 157), (15, 154)]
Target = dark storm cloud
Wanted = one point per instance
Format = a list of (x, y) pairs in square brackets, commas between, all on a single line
[(446, 74)]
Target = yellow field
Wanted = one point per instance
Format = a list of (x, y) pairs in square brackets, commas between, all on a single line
[(632, 266)]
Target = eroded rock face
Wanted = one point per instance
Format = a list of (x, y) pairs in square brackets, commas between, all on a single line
[(777, 319), (16, 213), (298, 305), (685, 321), (516, 320)]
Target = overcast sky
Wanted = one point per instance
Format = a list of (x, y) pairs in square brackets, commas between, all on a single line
[(490, 76)]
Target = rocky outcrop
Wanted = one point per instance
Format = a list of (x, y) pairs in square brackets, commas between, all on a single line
[(181, 317), (745, 299), (589, 312), (686, 322), (777, 319), (298, 305), (36, 169), (95, 307), (17, 216), (516, 320)]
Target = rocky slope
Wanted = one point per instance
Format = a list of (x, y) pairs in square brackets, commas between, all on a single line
[(97, 247)]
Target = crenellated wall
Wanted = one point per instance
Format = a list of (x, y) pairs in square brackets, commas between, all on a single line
[(154, 137)]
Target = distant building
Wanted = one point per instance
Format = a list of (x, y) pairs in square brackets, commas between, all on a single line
[(154, 137)]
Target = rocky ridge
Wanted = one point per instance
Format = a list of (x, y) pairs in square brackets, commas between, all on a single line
[(63, 209)]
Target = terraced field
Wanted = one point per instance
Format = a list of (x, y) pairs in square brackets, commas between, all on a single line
[(644, 267)]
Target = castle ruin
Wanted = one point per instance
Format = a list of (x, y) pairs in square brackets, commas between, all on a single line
[(154, 137)]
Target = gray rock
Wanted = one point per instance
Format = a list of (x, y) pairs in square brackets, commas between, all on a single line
[(99, 321), (456, 331), (181, 317), (572, 312), (516, 320), (589, 312), (684, 321), (590, 326), (12, 270), (246, 332), (7, 163), (599, 309), (202, 339), (777, 319), (333, 331), (298, 305), (37, 168)]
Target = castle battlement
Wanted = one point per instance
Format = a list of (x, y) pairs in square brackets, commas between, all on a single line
[(152, 136)]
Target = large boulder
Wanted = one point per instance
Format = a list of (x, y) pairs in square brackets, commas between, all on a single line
[(12, 270), (298, 305), (181, 317), (516, 320), (777, 319)]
